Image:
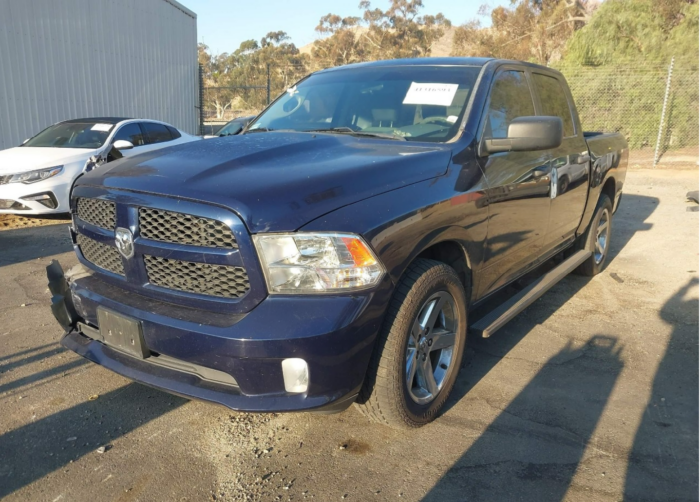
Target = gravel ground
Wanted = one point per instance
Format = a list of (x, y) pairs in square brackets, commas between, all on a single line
[(12, 221), (591, 394)]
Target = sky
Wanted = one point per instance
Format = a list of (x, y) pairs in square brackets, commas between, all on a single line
[(224, 24)]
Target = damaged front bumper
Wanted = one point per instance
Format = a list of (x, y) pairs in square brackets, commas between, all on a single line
[(236, 363)]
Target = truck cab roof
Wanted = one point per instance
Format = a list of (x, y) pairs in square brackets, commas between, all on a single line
[(442, 61)]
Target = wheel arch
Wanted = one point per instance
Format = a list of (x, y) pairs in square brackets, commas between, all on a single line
[(452, 253), (609, 189)]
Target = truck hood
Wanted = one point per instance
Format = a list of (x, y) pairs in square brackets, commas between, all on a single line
[(276, 181), (22, 159)]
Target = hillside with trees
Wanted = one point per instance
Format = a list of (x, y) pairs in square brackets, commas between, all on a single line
[(615, 54)]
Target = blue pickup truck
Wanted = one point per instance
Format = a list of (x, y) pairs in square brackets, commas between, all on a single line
[(332, 252)]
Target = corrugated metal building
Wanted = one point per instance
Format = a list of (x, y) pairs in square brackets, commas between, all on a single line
[(69, 59)]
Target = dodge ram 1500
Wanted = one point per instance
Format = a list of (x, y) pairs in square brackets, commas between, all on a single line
[(331, 253)]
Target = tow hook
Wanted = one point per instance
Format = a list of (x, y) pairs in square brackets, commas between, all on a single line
[(61, 299)]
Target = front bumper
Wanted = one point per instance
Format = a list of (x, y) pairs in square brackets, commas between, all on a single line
[(333, 334), (18, 192)]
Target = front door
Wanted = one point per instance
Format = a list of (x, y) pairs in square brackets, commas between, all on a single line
[(132, 133), (519, 187)]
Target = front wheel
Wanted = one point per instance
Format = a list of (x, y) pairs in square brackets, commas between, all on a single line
[(419, 350)]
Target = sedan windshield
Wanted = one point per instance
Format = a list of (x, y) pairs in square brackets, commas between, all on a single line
[(234, 127), (415, 103), (72, 135)]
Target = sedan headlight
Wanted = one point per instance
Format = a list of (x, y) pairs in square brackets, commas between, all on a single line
[(38, 175), (307, 263)]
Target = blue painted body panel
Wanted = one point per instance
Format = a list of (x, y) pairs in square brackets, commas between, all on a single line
[(402, 197)]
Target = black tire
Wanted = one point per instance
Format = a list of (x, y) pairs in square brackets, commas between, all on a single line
[(596, 263), (385, 396)]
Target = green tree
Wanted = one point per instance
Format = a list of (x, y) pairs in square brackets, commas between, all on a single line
[(528, 30), (237, 80), (637, 29), (398, 32)]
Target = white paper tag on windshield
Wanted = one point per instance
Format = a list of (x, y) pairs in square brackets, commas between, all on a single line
[(101, 127), (430, 94)]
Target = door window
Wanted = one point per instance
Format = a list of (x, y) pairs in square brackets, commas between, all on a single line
[(131, 133), (510, 99), (554, 102), (156, 133)]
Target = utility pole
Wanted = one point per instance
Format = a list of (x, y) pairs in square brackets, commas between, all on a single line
[(268, 83)]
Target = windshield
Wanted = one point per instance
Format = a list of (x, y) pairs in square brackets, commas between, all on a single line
[(72, 135), (234, 127), (415, 103)]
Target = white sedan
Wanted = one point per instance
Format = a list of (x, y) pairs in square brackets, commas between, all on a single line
[(36, 178)]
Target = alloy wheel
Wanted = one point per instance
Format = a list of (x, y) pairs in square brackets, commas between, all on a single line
[(602, 236), (430, 350)]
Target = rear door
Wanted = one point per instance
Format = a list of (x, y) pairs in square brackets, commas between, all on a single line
[(570, 162), (518, 182)]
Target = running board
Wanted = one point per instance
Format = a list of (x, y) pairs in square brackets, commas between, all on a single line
[(498, 317)]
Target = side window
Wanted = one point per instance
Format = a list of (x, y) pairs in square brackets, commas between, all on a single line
[(510, 99), (553, 101), (132, 133), (174, 132), (157, 133)]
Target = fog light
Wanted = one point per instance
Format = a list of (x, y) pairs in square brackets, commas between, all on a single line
[(45, 199), (296, 375)]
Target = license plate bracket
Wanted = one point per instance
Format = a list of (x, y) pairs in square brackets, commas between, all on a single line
[(122, 332)]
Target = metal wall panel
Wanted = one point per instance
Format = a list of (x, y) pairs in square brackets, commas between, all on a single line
[(68, 59)]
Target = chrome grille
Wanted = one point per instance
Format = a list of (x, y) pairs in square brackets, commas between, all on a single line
[(98, 212), (180, 228), (106, 257), (201, 278)]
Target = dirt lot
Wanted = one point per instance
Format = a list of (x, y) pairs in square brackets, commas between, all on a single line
[(591, 394)]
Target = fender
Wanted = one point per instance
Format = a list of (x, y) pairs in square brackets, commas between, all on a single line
[(401, 224), (605, 164)]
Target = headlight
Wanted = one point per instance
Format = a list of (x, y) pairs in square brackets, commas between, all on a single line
[(38, 175), (317, 263)]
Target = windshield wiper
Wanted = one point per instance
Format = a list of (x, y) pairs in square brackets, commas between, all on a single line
[(352, 132)]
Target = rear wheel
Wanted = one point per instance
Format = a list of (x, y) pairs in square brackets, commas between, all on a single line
[(419, 350), (597, 238)]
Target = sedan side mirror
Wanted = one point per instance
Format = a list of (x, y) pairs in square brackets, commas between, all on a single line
[(527, 134), (122, 144)]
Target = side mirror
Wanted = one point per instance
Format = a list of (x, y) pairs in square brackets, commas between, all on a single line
[(122, 144), (527, 134)]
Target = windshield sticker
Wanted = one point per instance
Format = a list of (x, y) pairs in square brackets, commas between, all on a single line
[(101, 127), (430, 94), (452, 119)]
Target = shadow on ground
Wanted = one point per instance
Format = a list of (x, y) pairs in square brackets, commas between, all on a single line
[(24, 244), (543, 431), (667, 440), (39, 448)]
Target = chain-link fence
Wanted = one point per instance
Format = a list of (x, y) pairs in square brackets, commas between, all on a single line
[(246, 95), (654, 105)]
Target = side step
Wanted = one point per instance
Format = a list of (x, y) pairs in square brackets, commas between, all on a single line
[(498, 317)]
